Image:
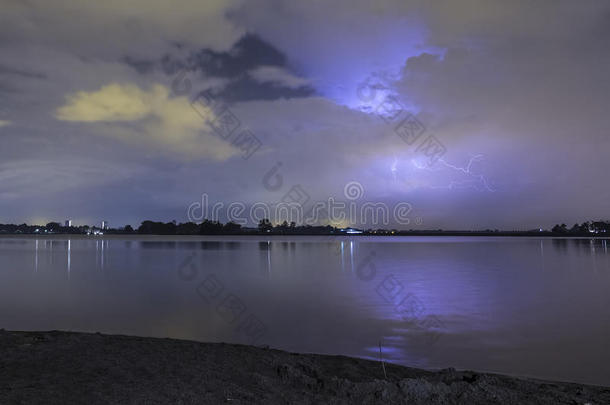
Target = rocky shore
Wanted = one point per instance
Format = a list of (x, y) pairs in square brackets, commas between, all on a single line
[(70, 368)]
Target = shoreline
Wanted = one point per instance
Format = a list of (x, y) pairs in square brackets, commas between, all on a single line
[(117, 236), (74, 367)]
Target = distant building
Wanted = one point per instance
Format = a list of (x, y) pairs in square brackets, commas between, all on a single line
[(351, 231), (68, 223), (104, 225)]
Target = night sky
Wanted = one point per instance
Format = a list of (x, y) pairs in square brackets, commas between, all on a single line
[(96, 120)]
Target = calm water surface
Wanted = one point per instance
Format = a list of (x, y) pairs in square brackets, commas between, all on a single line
[(524, 306)]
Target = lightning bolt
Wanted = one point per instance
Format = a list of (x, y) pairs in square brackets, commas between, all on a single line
[(477, 181), (394, 168), (481, 179)]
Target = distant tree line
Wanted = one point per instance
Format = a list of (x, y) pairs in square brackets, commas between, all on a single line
[(56, 227), (265, 227), (208, 227), (172, 228), (586, 228)]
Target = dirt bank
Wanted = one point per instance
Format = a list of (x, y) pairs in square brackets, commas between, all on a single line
[(62, 367)]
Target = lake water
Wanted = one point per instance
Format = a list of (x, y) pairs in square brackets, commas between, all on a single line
[(524, 306)]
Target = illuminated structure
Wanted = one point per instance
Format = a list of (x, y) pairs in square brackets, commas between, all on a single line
[(351, 231)]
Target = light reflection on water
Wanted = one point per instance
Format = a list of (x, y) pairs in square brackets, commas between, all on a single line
[(523, 306)]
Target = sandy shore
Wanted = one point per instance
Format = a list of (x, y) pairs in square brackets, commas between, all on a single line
[(67, 368)]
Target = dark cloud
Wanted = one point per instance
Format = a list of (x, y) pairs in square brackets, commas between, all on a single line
[(245, 88), (234, 67), (246, 54)]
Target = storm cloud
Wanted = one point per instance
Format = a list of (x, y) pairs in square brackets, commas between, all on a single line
[(516, 93)]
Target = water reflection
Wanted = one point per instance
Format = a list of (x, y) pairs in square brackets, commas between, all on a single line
[(342, 260), (147, 244), (351, 255), (212, 245), (232, 245), (102, 255), (265, 253), (498, 307), (580, 245)]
